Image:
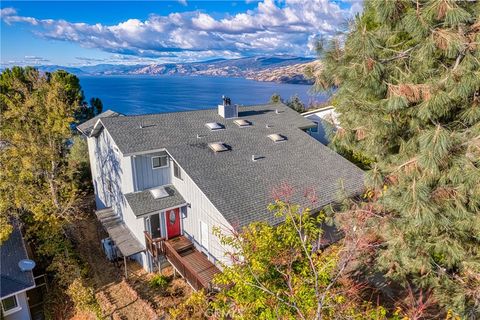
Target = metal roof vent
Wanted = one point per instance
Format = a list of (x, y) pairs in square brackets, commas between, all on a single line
[(218, 146), (242, 123), (277, 137), (26, 265), (159, 192), (257, 157), (269, 126), (214, 126), (147, 125)]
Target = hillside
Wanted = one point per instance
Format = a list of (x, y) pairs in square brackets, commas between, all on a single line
[(287, 74), (284, 69)]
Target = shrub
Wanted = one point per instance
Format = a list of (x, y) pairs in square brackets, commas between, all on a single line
[(159, 281)]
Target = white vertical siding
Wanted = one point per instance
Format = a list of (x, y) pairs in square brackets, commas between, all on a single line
[(97, 188), (146, 176), (202, 210), (327, 121)]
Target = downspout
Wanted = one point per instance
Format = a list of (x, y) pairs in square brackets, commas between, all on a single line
[(134, 170)]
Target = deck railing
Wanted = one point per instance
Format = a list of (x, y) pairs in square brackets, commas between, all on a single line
[(158, 246), (154, 245), (185, 270)]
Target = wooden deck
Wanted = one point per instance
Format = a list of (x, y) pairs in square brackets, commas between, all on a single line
[(181, 244), (193, 265)]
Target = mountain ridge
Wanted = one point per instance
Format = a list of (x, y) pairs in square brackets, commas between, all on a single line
[(282, 69)]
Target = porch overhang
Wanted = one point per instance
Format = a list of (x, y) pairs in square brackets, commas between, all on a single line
[(119, 232), (143, 203)]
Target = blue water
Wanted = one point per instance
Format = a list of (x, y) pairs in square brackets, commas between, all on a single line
[(153, 94)]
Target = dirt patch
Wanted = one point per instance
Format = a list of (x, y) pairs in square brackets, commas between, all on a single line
[(161, 299), (115, 296), (118, 298)]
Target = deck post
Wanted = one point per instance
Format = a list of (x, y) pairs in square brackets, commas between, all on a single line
[(125, 263)]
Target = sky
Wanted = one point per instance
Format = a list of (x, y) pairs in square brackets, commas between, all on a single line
[(77, 33)]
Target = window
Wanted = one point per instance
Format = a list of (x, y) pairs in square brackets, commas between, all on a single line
[(109, 186), (159, 162), (10, 305), (177, 172), (314, 129)]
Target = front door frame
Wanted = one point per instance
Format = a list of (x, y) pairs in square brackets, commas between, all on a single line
[(164, 213)]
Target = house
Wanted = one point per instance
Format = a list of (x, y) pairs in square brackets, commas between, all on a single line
[(164, 181), (325, 120), (16, 277)]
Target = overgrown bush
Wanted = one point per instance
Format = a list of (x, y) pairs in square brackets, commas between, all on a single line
[(82, 296), (159, 281)]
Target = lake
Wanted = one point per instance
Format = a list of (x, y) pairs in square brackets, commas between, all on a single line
[(154, 94)]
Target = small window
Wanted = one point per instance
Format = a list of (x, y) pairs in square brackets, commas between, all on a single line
[(177, 172), (10, 304), (314, 129), (159, 162), (109, 186)]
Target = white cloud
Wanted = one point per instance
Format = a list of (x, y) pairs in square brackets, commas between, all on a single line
[(289, 28)]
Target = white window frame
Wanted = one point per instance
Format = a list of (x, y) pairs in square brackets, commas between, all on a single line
[(175, 165), (165, 166), (12, 310)]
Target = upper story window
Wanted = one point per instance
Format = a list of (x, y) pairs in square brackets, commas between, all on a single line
[(314, 129), (160, 162), (10, 305), (109, 185), (177, 172)]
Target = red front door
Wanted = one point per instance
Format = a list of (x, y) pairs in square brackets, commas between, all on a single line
[(172, 217)]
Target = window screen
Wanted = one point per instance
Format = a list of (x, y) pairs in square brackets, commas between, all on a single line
[(177, 172), (159, 162)]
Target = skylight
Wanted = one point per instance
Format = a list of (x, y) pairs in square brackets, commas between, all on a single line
[(159, 192), (214, 126), (218, 146), (242, 123), (277, 137)]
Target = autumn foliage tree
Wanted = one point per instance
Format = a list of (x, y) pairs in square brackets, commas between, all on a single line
[(37, 183), (407, 87), (285, 272)]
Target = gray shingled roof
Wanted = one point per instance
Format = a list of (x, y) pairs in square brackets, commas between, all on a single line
[(11, 252), (88, 125), (237, 186), (143, 202)]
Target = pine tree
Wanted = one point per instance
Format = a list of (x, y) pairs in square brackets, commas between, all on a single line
[(406, 80), (296, 104)]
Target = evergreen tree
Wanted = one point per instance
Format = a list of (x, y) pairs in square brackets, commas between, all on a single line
[(88, 111), (276, 98), (296, 104), (407, 87)]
